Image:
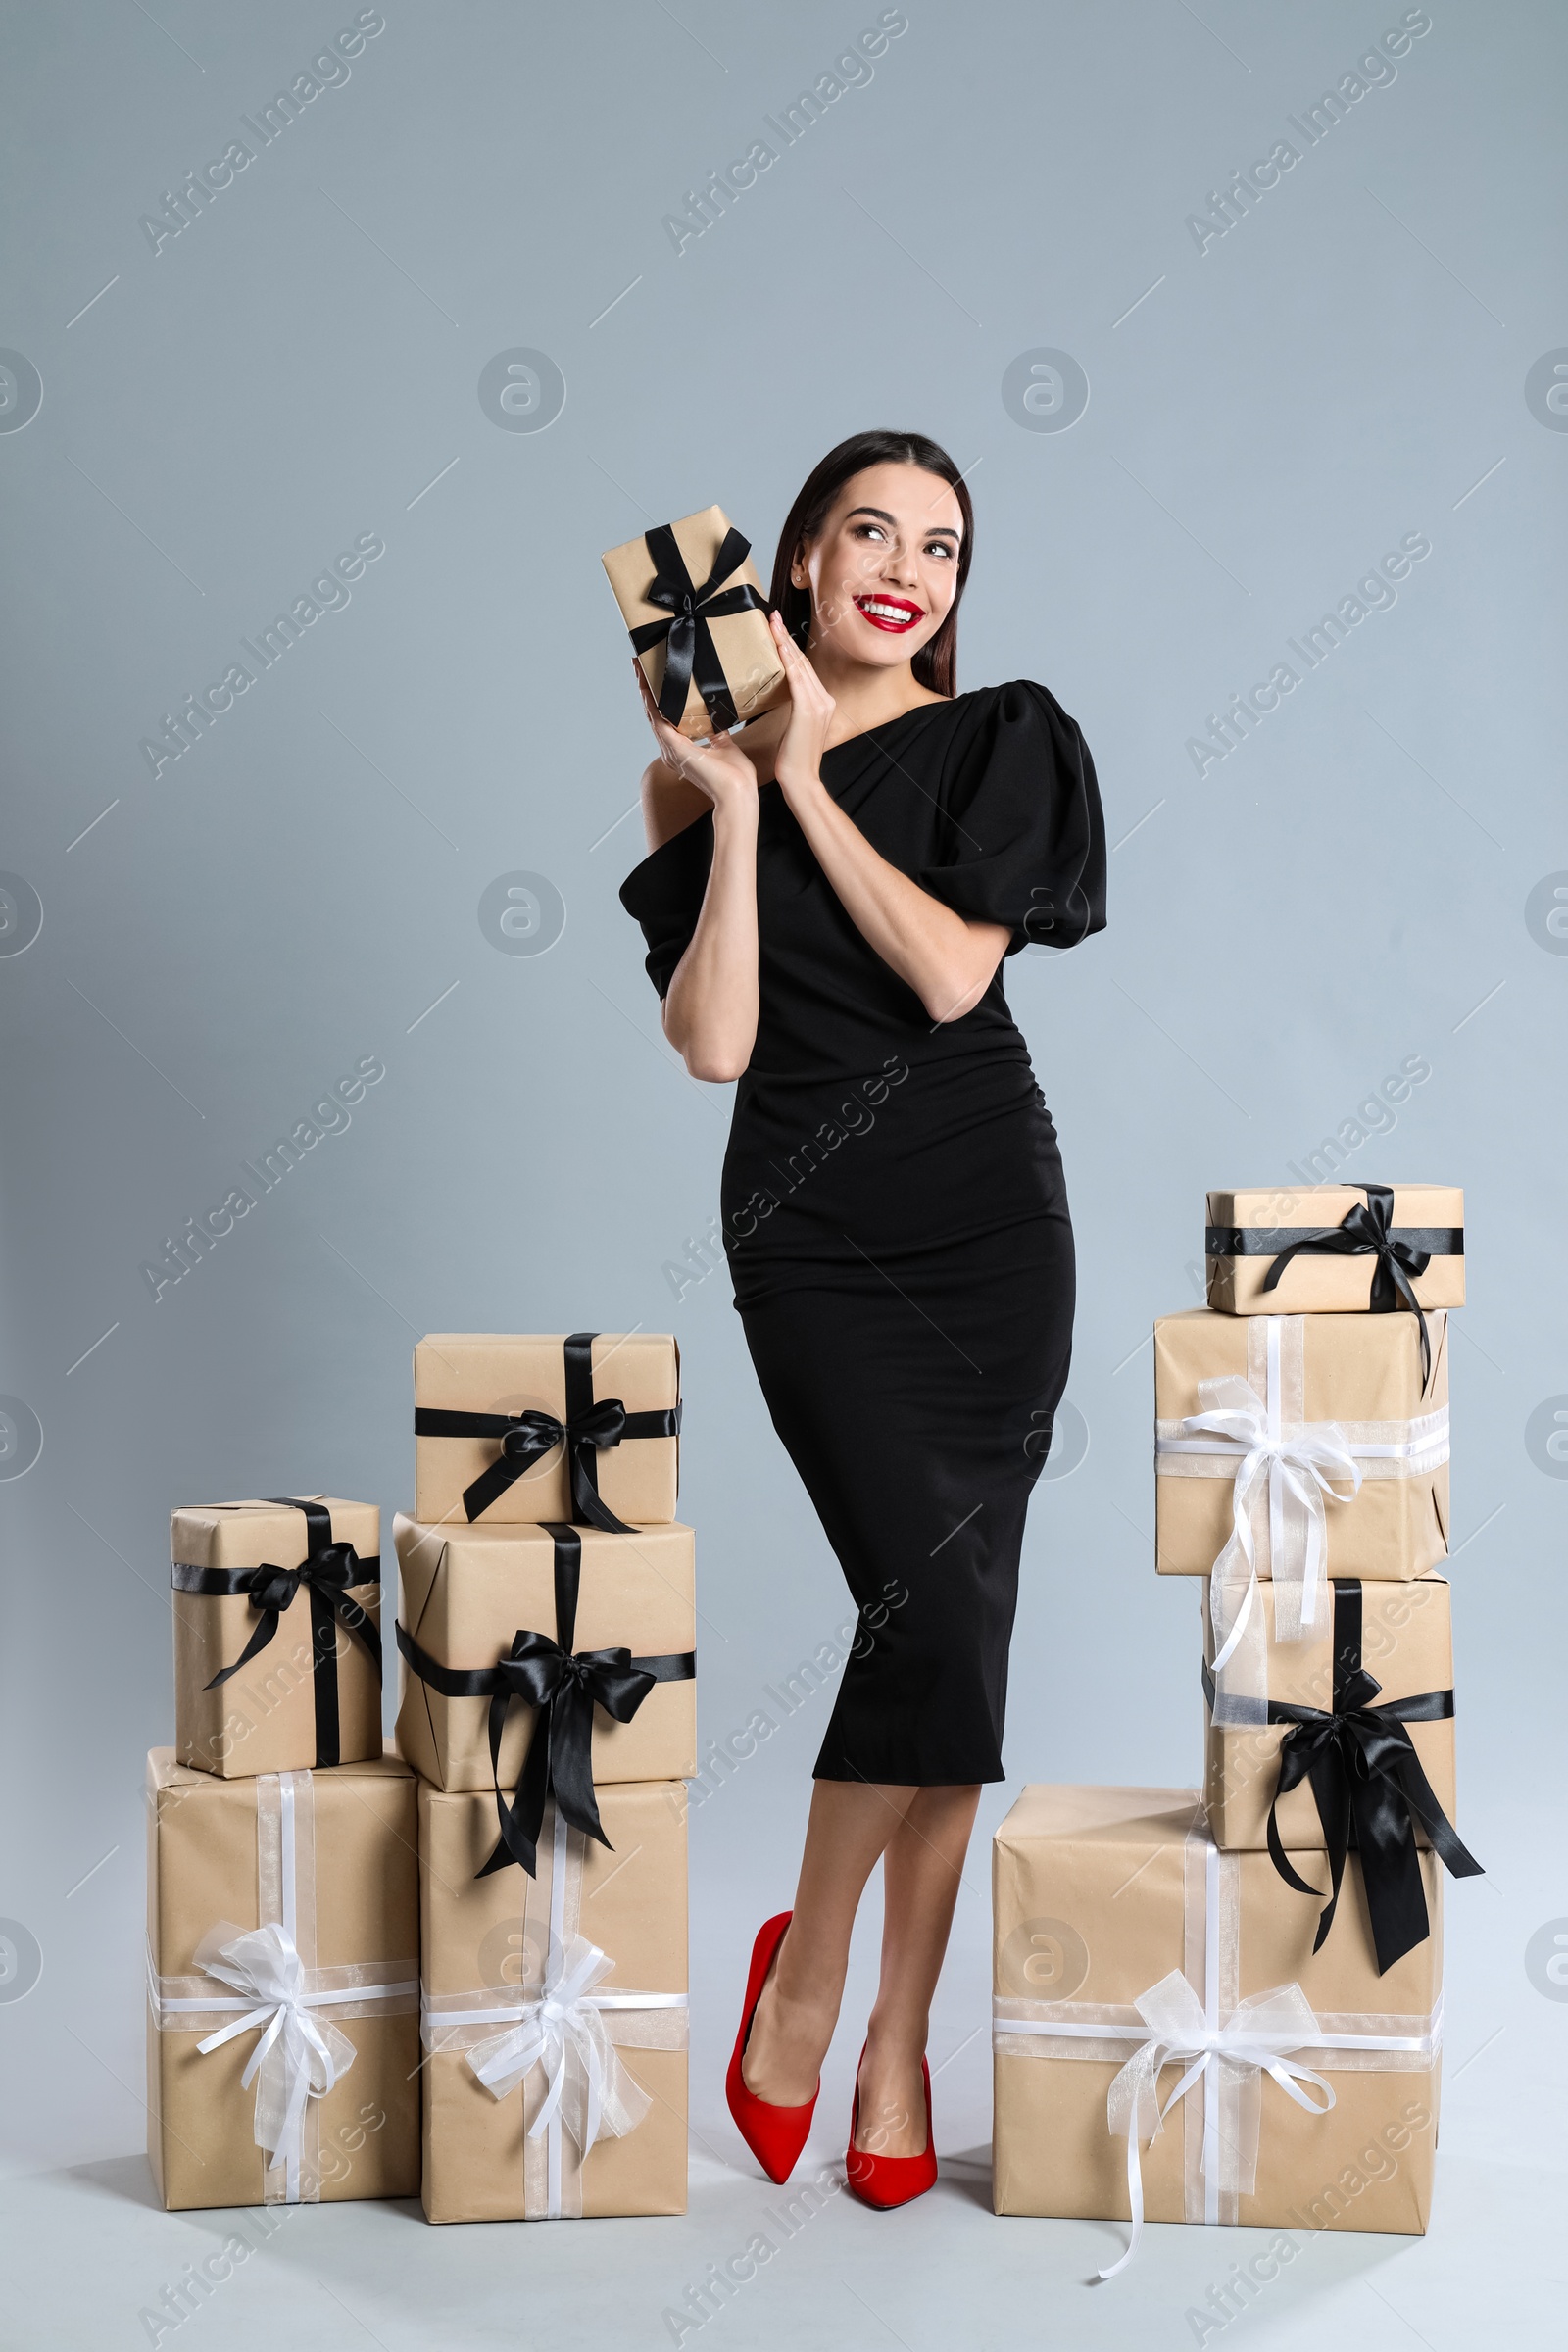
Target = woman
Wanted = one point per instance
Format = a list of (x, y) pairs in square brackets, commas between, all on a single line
[(827, 904)]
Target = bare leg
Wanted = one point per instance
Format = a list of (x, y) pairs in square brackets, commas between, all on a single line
[(921, 1868), (851, 1824)]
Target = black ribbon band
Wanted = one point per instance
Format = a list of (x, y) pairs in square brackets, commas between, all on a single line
[(1267, 1240), (326, 1573), (1369, 1787), (1368, 1230), (689, 651), (565, 1686), (526, 1437)]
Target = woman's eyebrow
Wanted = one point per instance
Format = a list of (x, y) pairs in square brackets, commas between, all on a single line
[(939, 530)]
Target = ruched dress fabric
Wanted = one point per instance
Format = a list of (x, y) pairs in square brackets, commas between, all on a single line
[(894, 1211)]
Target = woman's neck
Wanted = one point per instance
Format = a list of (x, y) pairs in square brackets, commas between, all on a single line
[(865, 696)]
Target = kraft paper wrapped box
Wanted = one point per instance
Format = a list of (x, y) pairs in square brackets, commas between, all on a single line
[(1260, 1405), (1307, 1747), (524, 1428), (603, 1935), (469, 1591), (1104, 1899), (297, 1584), (1397, 1634), (299, 1883), (697, 573), (1365, 1237)]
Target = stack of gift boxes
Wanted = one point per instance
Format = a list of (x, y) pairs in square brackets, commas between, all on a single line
[(1224, 2004), (452, 1967)]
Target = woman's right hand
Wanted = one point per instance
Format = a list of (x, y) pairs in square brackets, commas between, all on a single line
[(719, 768)]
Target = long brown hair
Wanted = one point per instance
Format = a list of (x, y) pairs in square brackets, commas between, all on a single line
[(935, 666)]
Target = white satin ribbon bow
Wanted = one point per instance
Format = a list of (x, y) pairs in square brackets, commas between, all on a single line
[(562, 2030), (1256, 2039), (1297, 1462), (295, 2058)]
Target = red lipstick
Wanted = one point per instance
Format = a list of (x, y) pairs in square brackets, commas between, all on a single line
[(895, 613)]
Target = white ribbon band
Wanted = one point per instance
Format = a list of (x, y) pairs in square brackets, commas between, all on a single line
[(1337, 2051), (298, 2056), (1223, 2042), (1284, 1471), (561, 2041)]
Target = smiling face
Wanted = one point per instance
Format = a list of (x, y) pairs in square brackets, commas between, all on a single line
[(883, 571)]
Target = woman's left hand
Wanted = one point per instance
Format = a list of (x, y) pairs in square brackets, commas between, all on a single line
[(810, 716)]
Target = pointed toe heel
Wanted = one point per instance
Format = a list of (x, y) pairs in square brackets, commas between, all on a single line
[(886, 2182), (775, 2136)]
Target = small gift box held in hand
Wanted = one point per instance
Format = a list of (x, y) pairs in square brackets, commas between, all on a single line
[(698, 619), (277, 1650)]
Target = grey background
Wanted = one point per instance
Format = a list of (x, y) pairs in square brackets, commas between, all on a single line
[(301, 890)]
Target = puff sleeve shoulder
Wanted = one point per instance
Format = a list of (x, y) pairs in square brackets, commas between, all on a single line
[(664, 895), (1026, 841)]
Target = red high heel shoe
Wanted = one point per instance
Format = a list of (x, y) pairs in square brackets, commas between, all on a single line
[(884, 2182), (775, 2136)]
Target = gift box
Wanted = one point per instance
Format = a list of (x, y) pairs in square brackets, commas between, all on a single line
[(1395, 1636), (1307, 1747), (278, 1648), (1300, 1446), (282, 1976), (547, 1658), (1335, 1248), (555, 2017), (1137, 1967), (698, 619), (523, 1428)]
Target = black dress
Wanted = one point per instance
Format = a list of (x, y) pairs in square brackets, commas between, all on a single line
[(892, 1203)]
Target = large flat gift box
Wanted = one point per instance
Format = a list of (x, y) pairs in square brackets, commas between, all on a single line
[(474, 1595), (577, 2109), (1398, 1634), (296, 1584), (271, 1901), (701, 567), (1330, 1430), (1127, 1943), (523, 1428), (1342, 1243)]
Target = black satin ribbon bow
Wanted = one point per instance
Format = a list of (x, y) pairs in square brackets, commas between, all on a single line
[(1370, 1790), (526, 1437), (1365, 1230), (566, 1686), (327, 1572), (689, 642)]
